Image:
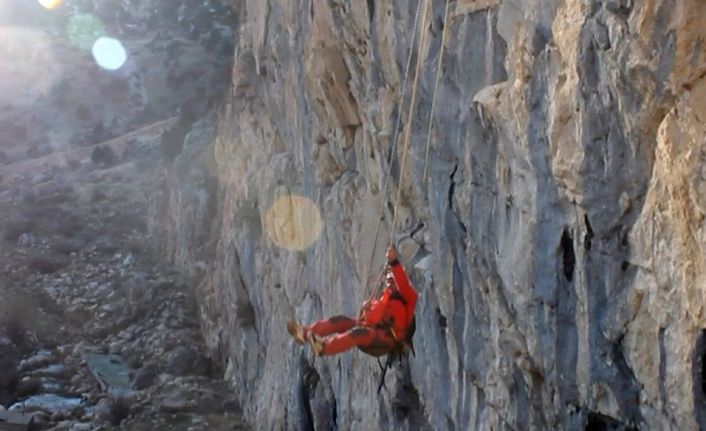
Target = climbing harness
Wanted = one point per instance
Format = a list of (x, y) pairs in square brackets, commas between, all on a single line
[(398, 353)]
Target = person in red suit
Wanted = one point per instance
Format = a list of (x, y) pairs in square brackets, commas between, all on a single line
[(384, 323)]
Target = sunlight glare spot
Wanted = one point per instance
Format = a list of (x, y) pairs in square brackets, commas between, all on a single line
[(293, 222), (28, 67), (50, 4), (109, 53)]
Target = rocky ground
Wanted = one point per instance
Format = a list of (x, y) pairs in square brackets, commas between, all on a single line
[(96, 332)]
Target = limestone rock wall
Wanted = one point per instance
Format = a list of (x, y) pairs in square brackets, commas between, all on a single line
[(557, 243)]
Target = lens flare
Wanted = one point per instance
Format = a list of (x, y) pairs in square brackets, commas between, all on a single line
[(109, 53), (84, 29), (28, 66), (50, 4), (293, 222)]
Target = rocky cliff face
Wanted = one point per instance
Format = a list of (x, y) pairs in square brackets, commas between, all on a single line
[(557, 243)]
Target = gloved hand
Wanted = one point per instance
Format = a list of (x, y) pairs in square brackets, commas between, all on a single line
[(391, 254)]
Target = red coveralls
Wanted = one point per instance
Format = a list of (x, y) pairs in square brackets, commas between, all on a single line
[(382, 321)]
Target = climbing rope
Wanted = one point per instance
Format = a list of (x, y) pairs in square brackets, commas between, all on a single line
[(436, 87), (408, 132), (403, 95), (406, 141)]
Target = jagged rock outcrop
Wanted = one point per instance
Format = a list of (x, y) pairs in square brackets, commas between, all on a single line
[(557, 243)]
